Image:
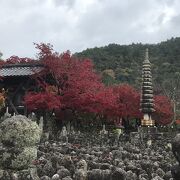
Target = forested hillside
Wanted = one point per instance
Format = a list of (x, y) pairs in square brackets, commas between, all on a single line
[(122, 64)]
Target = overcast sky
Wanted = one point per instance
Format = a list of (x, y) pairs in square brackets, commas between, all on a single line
[(79, 24)]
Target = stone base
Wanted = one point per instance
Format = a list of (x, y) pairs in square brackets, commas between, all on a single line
[(145, 133), (147, 130), (8, 174), (175, 170), (17, 158), (145, 122), (149, 133)]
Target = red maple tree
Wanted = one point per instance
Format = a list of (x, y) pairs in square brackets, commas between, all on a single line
[(18, 60), (103, 102), (163, 110), (74, 79), (129, 98), (42, 101)]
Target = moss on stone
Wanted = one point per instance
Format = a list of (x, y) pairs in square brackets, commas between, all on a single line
[(19, 131), (1, 173), (24, 159), (5, 156)]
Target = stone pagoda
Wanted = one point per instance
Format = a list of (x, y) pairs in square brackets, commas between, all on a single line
[(147, 101), (147, 132)]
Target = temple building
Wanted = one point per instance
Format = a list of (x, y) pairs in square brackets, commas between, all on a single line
[(16, 80)]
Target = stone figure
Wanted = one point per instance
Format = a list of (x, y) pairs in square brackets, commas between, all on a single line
[(32, 116), (41, 123), (103, 135), (72, 130), (176, 147), (103, 131), (7, 115), (64, 131), (19, 136), (81, 171), (176, 151), (64, 134)]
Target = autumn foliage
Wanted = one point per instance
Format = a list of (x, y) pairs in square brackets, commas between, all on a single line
[(16, 60), (102, 102), (2, 100), (42, 101), (74, 80), (71, 83), (163, 110), (129, 99)]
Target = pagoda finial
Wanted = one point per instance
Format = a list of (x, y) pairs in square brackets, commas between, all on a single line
[(147, 55)]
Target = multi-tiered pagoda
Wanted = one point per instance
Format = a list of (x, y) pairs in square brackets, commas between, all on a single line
[(147, 101)]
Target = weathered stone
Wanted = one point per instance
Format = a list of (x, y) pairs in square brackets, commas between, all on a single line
[(119, 174), (160, 172), (55, 177), (15, 176), (63, 173), (176, 151), (18, 158), (1, 173), (80, 174), (82, 165), (105, 166), (48, 169), (176, 147), (106, 174), (19, 131), (130, 175), (5, 175), (33, 173), (175, 172), (19, 136), (143, 175), (67, 178), (18, 175), (45, 178), (95, 174), (168, 175), (157, 178), (24, 174)]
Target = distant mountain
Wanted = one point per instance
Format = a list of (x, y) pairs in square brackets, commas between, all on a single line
[(126, 62)]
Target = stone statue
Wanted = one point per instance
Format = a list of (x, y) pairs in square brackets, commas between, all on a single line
[(7, 115), (64, 134), (41, 123), (103, 131), (81, 171), (72, 130), (176, 151), (33, 117), (64, 131), (19, 136), (176, 147), (103, 135)]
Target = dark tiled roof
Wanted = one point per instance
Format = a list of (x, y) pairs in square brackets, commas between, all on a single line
[(20, 69)]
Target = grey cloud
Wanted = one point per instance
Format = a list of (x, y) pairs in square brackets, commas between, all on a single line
[(68, 3), (79, 24), (115, 22)]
